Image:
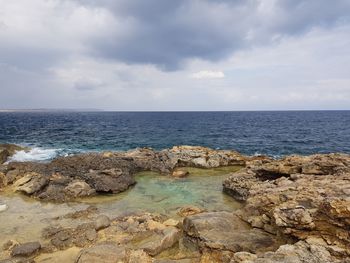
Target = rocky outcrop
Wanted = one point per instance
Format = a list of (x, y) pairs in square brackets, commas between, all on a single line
[(226, 232), (7, 150), (299, 197), (82, 175)]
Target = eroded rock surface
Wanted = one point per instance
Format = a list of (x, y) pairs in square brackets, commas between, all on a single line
[(301, 197), (66, 178), (225, 231)]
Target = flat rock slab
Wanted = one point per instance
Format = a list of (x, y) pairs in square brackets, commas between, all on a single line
[(104, 253), (225, 231)]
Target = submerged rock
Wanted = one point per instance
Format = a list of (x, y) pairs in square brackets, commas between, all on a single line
[(180, 173)]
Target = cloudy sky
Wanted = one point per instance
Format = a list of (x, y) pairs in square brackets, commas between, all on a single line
[(175, 54)]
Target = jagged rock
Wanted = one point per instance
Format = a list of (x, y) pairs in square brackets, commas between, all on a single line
[(110, 180), (104, 253), (31, 183), (79, 189), (111, 172), (26, 249), (203, 157), (238, 186), (299, 196), (225, 231)]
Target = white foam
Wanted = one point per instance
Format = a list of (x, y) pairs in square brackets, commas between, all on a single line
[(34, 154)]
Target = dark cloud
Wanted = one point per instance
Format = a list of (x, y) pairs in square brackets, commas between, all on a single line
[(167, 33)]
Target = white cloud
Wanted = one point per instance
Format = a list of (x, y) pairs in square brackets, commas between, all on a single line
[(208, 74)]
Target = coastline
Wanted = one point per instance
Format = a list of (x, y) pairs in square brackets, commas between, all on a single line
[(292, 208)]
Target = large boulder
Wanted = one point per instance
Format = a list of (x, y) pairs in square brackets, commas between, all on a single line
[(31, 183), (109, 180), (225, 231)]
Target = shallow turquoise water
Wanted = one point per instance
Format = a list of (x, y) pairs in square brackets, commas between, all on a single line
[(165, 194), (25, 218)]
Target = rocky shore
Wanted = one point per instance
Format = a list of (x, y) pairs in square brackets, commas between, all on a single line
[(294, 209)]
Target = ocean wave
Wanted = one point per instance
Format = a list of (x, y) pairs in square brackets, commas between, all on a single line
[(34, 154)]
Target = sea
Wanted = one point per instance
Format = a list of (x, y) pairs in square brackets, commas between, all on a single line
[(274, 133)]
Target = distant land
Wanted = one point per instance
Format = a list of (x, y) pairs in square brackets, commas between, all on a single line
[(47, 110)]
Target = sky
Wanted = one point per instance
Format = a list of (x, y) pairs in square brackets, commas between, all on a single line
[(175, 55)]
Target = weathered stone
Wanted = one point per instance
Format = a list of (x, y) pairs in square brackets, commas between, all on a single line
[(180, 173), (171, 222), (31, 183), (299, 252), (299, 196), (225, 231), (101, 222), (79, 189), (138, 256), (110, 181), (104, 253), (168, 237), (244, 257), (189, 210), (26, 249)]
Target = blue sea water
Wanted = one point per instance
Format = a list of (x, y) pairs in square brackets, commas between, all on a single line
[(275, 133)]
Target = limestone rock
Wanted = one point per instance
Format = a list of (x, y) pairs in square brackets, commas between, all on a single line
[(189, 210), (110, 180), (101, 222), (244, 257), (225, 231), (79, 189), (299, 252), (104, 253), (138, 256), (31, 183), (169, 236), (180, 173)]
